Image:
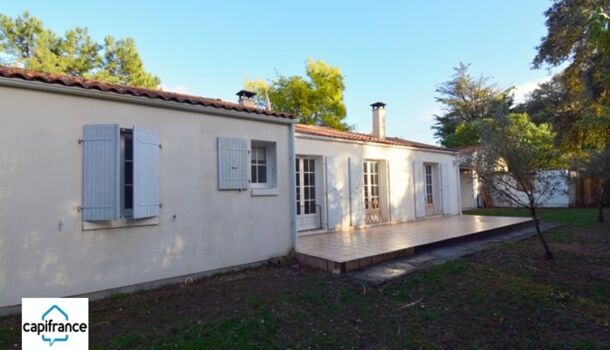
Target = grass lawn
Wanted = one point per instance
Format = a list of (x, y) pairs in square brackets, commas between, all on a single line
[(505, 297)]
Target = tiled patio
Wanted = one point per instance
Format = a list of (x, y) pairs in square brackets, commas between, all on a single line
[(350, 250)]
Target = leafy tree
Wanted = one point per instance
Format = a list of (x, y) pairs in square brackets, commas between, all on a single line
[(25, 42), (596, 166), (465, 101), (578, 35), (316, 99), (511, 164)]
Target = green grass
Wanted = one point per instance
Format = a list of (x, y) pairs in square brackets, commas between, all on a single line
[(507, 297)]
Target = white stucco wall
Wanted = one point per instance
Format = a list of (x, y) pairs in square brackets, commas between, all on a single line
[(200, 228), (469, 188), (401, 178)]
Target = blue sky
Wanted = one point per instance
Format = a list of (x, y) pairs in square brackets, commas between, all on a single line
[(390, 51)]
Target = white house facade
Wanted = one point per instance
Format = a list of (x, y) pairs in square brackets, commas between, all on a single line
[(347, 180), (104, 186)]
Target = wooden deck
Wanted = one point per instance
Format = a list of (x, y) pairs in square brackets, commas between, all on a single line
[(350, 250)]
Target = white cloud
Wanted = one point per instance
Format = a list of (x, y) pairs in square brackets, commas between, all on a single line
[(179, 89), (522, 91)]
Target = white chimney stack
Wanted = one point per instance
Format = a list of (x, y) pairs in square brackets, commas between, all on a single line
[(246, 98), (379, 119)]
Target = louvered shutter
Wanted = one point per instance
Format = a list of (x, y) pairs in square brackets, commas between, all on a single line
[(356, 179), (233, 167), (419, 189), (145, 173), (447, 208), (335, 175), (101, 172)]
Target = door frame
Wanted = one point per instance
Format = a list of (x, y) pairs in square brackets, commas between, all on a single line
[(309, 221)]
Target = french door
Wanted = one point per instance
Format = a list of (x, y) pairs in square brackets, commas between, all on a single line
[(308, 211), (431, 187), (372, 205)]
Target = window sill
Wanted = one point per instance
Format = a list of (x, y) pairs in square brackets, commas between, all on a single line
[(120, 223), (260, 192)]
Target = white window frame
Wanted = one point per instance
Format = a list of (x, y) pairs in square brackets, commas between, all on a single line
[(270, 157)]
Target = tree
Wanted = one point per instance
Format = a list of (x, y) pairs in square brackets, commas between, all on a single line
[(316, 99), (578, 35), (26, 43), (597, 167), (513, 164), (465, 101)]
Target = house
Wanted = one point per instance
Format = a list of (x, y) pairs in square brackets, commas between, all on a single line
[(105, 186), (573, 190), (347, 180)]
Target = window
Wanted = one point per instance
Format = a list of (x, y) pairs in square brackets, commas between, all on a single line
[(120, 173), (429, 193), (127, 147), (259, 165), (262, 164)]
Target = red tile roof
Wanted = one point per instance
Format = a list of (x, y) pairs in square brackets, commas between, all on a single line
[(356, 136), (23, 74)]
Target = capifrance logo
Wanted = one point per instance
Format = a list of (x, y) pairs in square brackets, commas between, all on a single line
[(55, 323)]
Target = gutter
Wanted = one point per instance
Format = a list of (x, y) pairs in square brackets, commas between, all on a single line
[(145, 101)]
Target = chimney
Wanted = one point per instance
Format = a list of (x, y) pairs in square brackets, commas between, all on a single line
[(379, 119), (246, 98)]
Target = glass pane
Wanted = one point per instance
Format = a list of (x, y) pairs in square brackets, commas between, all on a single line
[(298, 209), (306, 190), (306, 179), (305, 165), (253, 175), (312, 179), (262, 174), (312, 165), (262, 154), (128, 173), (128, 147), (298, 164), (128, 197)]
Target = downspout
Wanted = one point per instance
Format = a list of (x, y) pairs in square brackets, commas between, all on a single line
[(293, 187)]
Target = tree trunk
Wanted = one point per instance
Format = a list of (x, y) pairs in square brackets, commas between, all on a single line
[(548, 255), (601, 187)]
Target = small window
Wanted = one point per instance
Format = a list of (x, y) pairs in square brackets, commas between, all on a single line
[(127, 147), (259, 165), (262, 164)]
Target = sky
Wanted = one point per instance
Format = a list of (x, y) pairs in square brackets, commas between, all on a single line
[(396, 52)]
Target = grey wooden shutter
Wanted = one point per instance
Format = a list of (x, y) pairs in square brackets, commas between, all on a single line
[(356, 187), (419, 187), (233, 167), (101, 172), (145, 173), (335, 176), (445, 188)]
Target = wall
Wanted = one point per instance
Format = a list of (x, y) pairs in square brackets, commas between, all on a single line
[(400, 186), (45, 253), (565, 197), (468, 192)]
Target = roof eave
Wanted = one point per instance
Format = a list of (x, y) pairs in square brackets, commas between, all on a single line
[(141, 100), (337, 139)]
